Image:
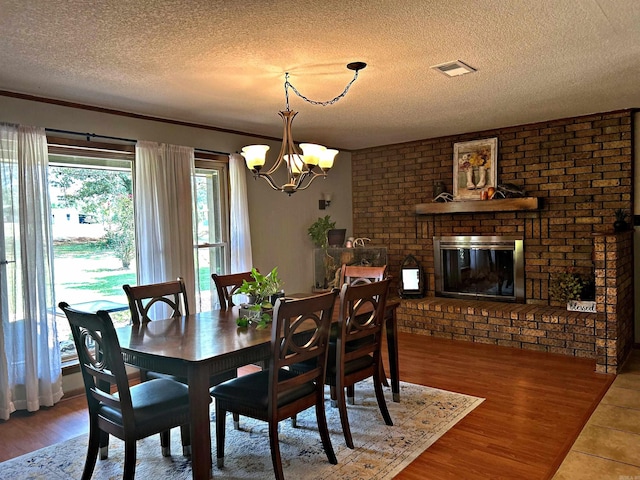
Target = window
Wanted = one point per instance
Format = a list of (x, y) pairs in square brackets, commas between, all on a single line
[(91, 194), (91, 190), (212, 227)]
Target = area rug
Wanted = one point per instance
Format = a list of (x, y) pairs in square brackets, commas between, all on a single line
[(423, 415)]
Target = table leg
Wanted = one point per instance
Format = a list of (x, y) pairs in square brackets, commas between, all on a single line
[(392, 346), (199, 400)]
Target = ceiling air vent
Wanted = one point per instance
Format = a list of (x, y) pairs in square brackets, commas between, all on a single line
[(454, 69)]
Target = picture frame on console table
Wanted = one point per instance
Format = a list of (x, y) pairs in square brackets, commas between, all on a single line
[(475, 168)]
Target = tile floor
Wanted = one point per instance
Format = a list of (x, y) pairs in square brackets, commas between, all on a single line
[(608, 448)]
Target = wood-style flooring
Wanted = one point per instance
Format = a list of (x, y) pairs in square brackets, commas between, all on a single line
[(536, 405)]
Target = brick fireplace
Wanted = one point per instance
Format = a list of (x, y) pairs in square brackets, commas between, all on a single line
[(580, 170)]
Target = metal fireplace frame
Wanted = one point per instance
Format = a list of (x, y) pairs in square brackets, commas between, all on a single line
[(481, 242)]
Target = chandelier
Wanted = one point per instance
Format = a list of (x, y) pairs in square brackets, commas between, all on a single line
[(302, 167)]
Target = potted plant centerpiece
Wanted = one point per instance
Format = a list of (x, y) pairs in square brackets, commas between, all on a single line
[(263, 291)]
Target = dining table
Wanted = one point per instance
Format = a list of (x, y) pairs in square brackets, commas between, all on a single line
[(200, 345)]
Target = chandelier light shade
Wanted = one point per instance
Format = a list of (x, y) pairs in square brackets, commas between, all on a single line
[(303, 164)]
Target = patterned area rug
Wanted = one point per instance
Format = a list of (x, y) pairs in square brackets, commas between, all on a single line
[(423, 415)]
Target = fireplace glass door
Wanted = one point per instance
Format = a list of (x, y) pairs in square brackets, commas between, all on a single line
[(478, 267)]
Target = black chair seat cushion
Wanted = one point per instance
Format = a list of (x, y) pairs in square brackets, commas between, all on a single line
[(153, 402), (252, 390)]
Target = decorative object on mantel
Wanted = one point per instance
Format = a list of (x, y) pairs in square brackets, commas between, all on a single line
[(509, 190), (620, 225), (301, 168), (444, 197), (474, 168), (570, 288)]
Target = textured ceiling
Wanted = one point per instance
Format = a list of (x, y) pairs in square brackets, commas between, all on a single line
[(222, 63)]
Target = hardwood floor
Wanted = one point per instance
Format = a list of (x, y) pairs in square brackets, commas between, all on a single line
[(536, 404)]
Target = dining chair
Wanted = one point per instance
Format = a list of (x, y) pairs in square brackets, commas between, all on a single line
[(356, 354), (129, 413), (357, 275), (226, 285), (172, 294), (143, 297), (299, 333)]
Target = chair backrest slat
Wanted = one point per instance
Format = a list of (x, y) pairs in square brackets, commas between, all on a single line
[(358, 274), (361, 319), (143, 297), (226, 285)]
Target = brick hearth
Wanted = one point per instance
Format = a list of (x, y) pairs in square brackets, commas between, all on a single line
[(533, 327)]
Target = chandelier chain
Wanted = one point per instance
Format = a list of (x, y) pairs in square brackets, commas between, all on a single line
[(288, 84)]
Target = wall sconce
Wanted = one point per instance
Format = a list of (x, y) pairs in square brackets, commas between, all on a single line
[(325, 201)]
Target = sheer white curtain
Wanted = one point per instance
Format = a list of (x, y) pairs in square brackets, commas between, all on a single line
[(241, 260), (163, 209), (30, 367)]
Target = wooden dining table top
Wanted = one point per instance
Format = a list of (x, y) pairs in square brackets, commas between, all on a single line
[(193, 338), (199, 337)]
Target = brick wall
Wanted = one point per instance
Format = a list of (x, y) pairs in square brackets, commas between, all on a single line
[(580, 168), (530, 327), (614, 297)]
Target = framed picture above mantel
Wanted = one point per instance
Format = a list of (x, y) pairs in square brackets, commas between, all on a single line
[(475, 168)]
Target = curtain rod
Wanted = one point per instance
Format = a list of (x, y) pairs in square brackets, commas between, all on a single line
[(89, 136)]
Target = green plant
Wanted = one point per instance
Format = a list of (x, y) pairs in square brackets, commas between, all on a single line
[(620, 225), (261, 288), (621, 214), (565, 286), (261, 318), (318, 231)]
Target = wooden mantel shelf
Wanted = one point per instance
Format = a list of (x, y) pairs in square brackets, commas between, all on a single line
[(478, 206)]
